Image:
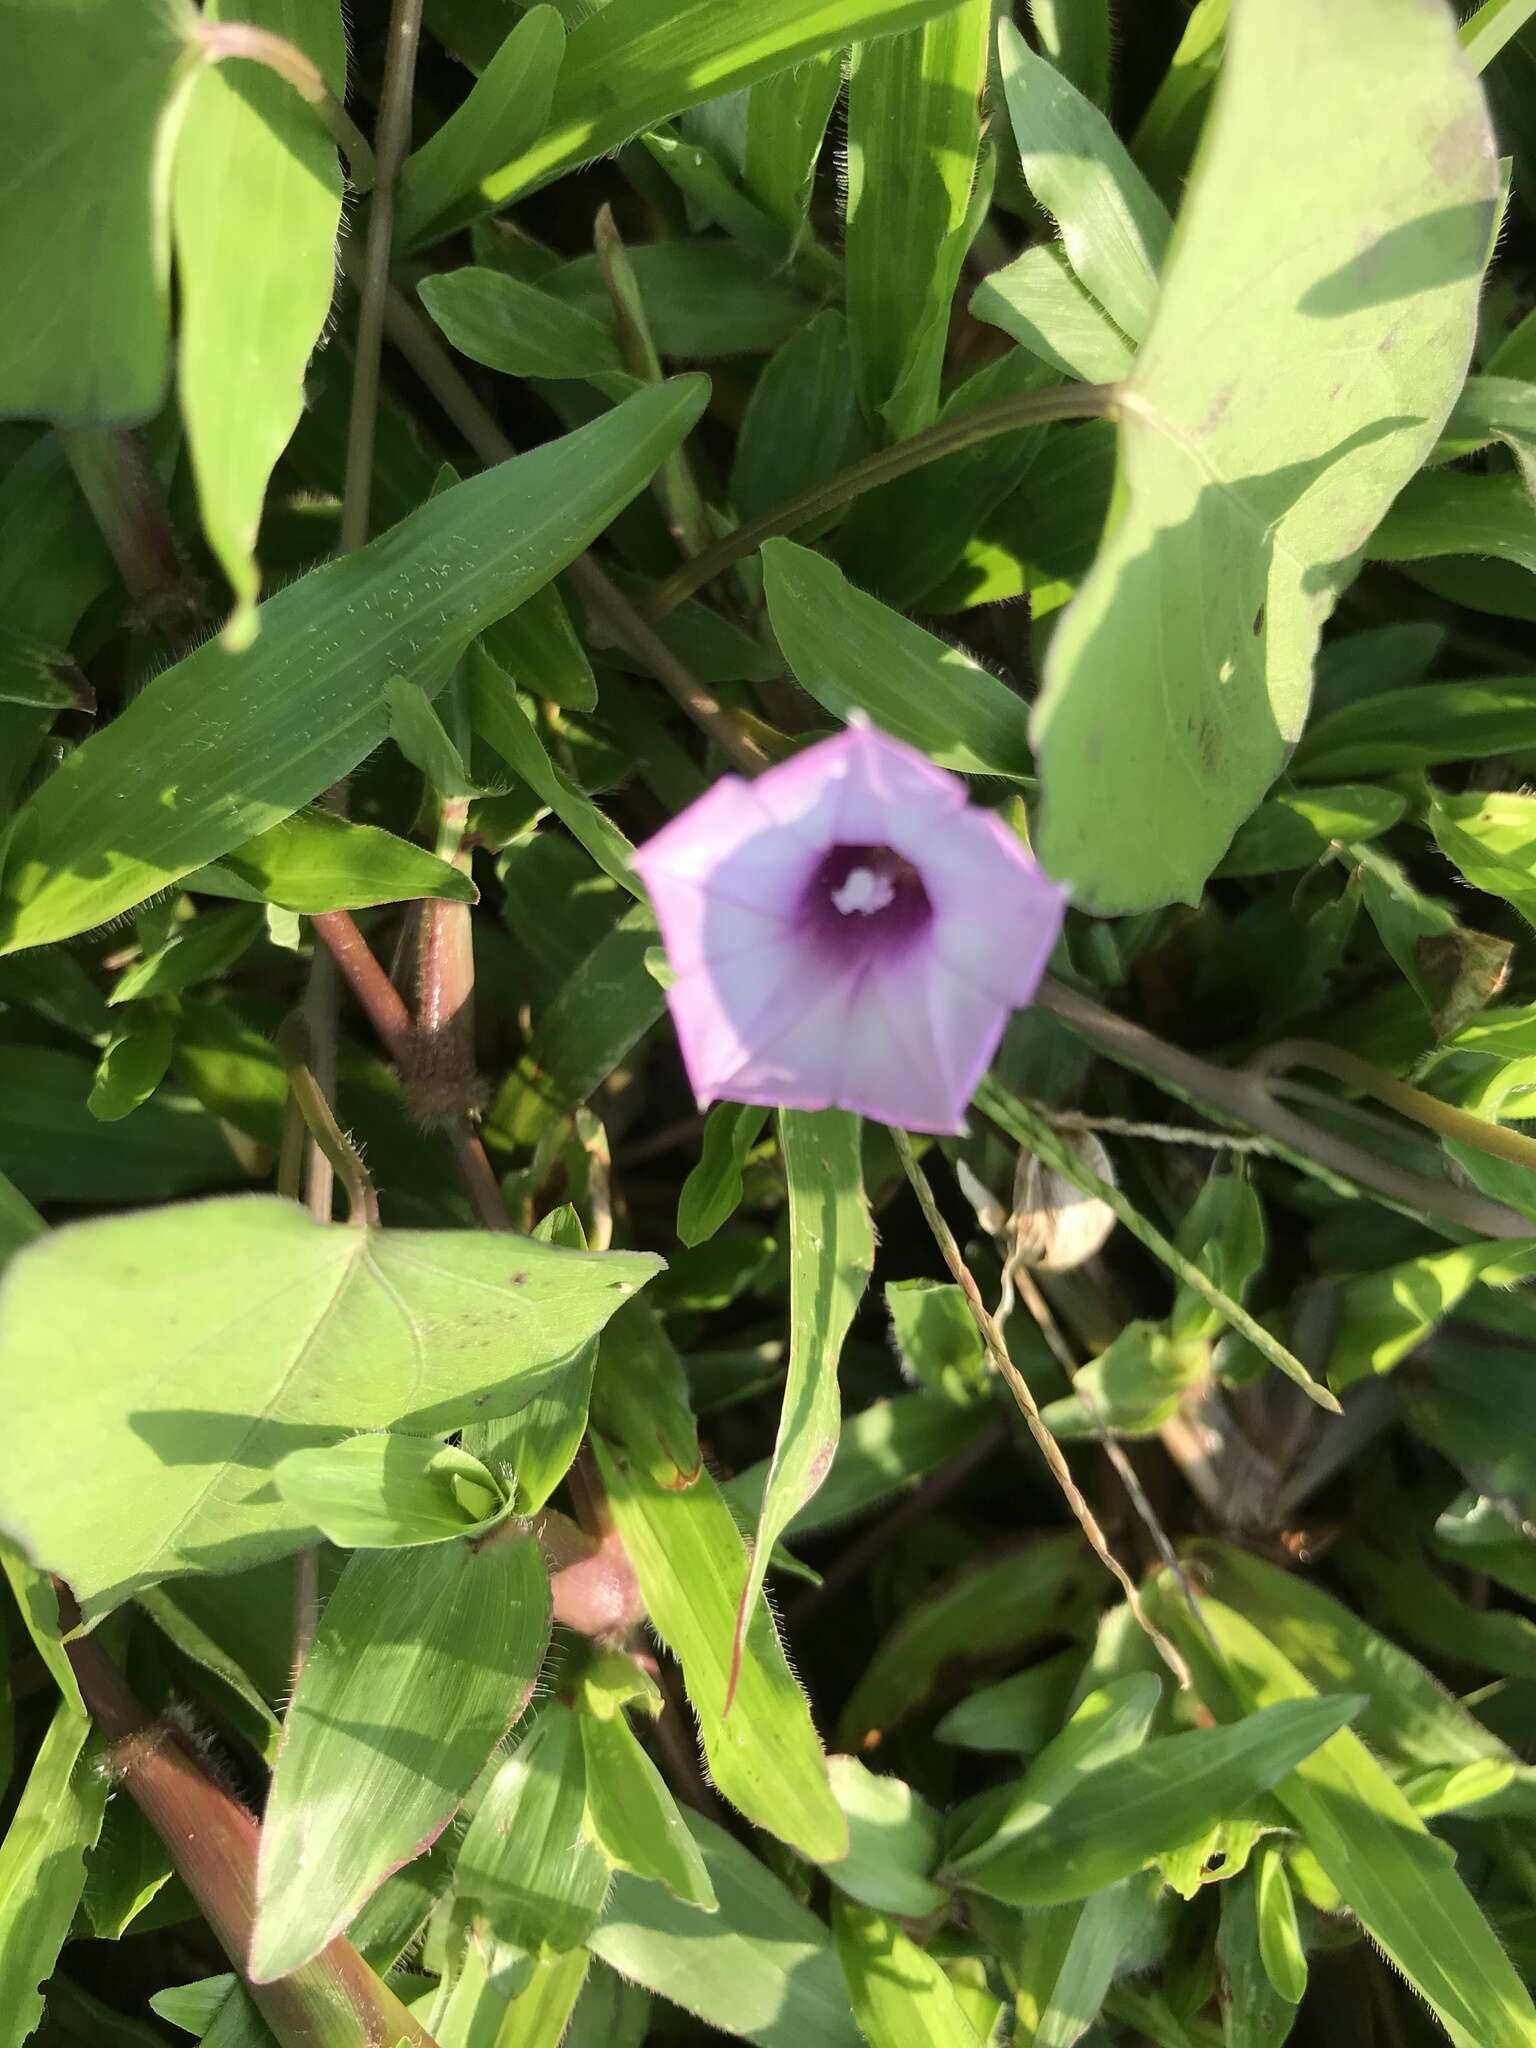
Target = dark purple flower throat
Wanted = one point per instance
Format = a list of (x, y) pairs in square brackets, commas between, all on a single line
[(865, 898)]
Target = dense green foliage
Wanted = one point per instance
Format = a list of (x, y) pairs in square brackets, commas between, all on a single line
[(496, 1556)]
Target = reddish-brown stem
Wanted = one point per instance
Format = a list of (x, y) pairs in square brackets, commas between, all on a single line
[(374, 990), (386, 1011), (334, 2001)]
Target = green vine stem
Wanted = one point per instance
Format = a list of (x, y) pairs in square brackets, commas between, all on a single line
[(325, 1133), (1243, 1095), (1441, 1117), (225, 39), (949, 437)]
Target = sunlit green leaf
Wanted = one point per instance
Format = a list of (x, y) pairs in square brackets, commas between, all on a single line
[(222, 747), (634, 62), (210, 1313), (91, 98), (831, 1252), (42, 1867), (762, 1968), (256, 210), (1252, 466), (423, 1660), (504, 112)]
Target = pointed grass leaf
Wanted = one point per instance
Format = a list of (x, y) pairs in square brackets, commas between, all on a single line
[(91, 97), (1422, 728), (898, 1992), (51, 1142), (1255, 2012), (1038, 300), (132, 1066), (201, 949), (1291, 382), (317, 861), (43, 1867), (893, 1843), (1409, 1716), (1095, 1936), (1399, 1881), (1015, 1715), (1491, 837), (914, 130), (787, 115), (257, 206), (1108, 1722), (690, 1561), (211, 1315), (602, 1011), (506, 108), (632, 1816), (761, 1968), (853, 653), (1384, 1316), (884, 1449), (500, 716), (633, 63), (528, 1871), (802, 423), (422, 1661), (1114, 227), (1117, 1817), (712, 1192), (522, 331), (385, 1491), (831, 1255), (38, 1605), (222, 747)]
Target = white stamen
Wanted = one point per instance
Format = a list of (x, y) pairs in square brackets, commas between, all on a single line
[(863, 891)]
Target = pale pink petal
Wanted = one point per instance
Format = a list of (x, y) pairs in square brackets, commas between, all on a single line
[(997, 915), (731, 843), (701, 927), (896, 1067), (778, 1001), (968, 1023), (725, 1010), (796, 1061), (892, 795)]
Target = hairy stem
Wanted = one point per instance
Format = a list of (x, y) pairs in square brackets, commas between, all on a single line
[(325, 1134), (950, 437), (335, 2001), (1018, 1386)]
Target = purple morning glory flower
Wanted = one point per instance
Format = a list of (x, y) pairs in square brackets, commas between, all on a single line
[(847, 932)]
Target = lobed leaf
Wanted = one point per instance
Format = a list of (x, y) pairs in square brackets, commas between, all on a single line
[(239, 1330)]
